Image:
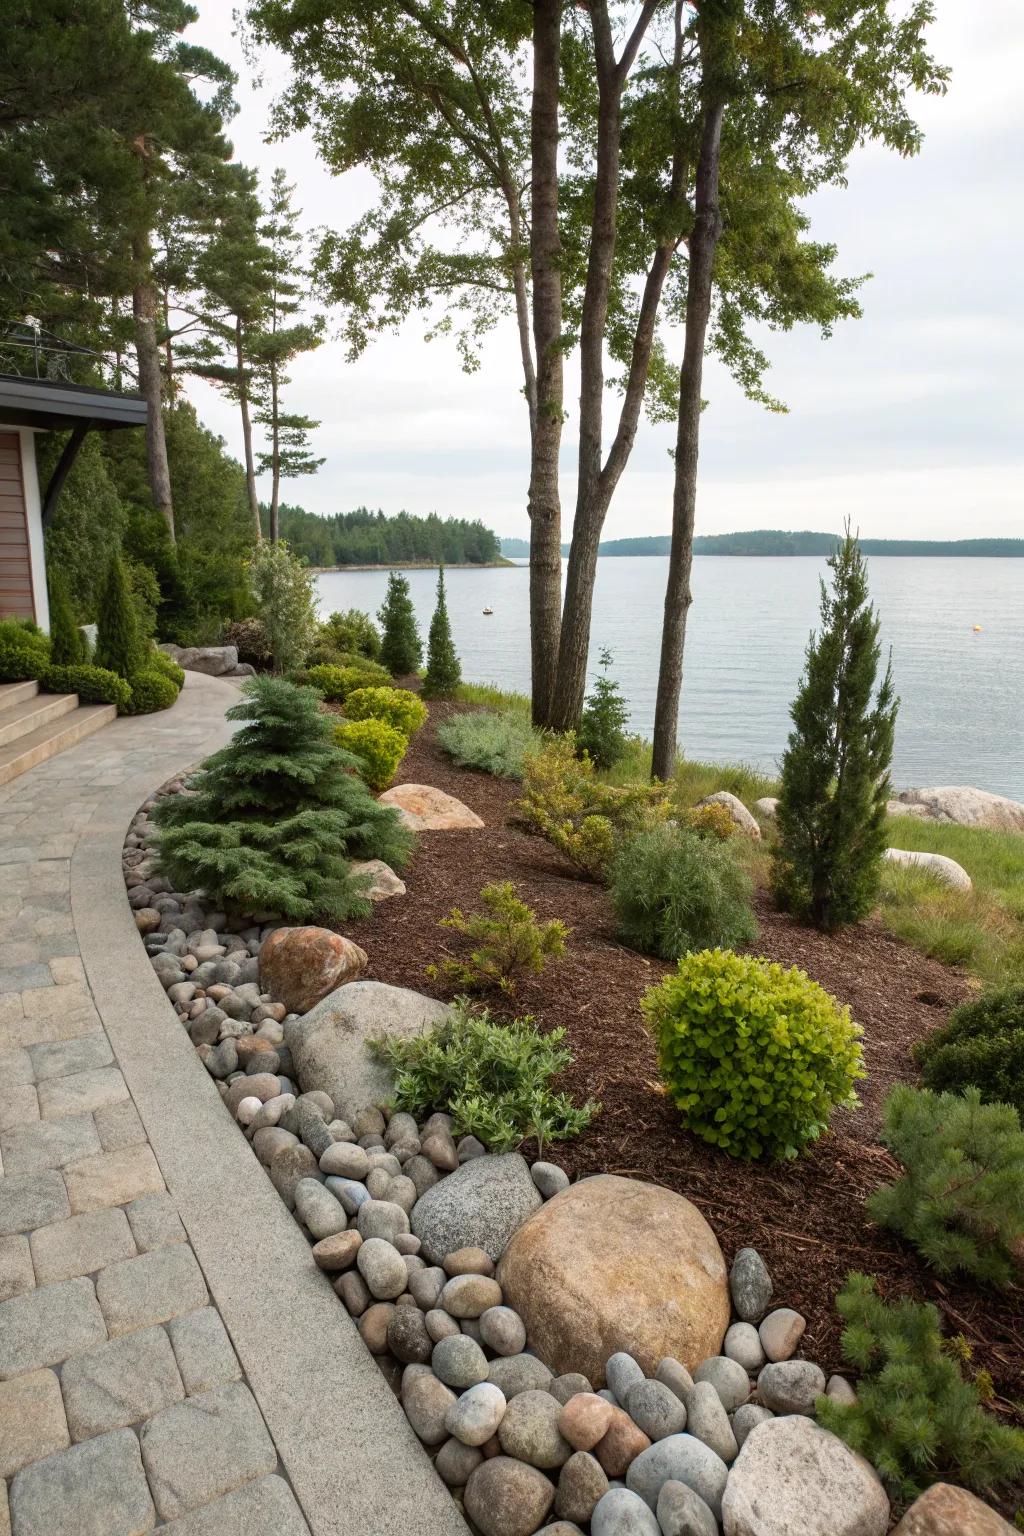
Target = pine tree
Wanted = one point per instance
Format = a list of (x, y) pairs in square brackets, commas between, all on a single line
[(67, 643), (119, 644), (276, 815), (835, 771), (401, 648), (602, 732), (443, 674)]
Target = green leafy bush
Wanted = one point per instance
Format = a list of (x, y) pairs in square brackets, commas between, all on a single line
[(755, 1057), (159, 661), (916, 1419), (496, 744), (378, 746), (711, 820), (397, 706), (960, 1200), (284, 591), (251, 640), (94, 685), (349, 633), (444, 674), (24, 652), (493, 1079), (508, 942), (120, 646), (335, 683), (67, 643), (401, 648), (276, 815), (981, 1047), (674, 891), (602, 732), (151, 690)]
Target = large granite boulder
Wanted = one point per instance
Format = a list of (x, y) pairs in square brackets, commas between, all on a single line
[(936, 864), (767, 808), (425, 809), (947, 1511), (480, 1205), (299, 966), (616, 1264), (966, 806), (328, 1044), (793, 1478), (741, 817), (214, 660)]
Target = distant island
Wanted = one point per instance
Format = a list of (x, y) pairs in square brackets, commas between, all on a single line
[(370, 539), (775, 541)]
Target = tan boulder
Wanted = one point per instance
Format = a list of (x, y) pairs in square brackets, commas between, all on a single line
[(382, 880), (617, 1264), (947, 1511), (947, 870), (429, 810), (966, 806), (299, 966)]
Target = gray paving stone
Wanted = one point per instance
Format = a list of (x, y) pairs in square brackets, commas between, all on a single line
[(81, 1093), (68, 1056), (112, 1178), (266, 1508), (16, 1272), (81, 1245), (101, 1481), (49, 1144), (32, 1422), (205, 1447), (18, 978), (120, 1383), (150, 1289), (30, 1200), (119, 1126), (203, 1350), (15, 1068), (155, 1222), (45, 1326), (19, 1105), (5, 1510)]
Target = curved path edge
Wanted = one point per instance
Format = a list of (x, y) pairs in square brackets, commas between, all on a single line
[(353, 1460)]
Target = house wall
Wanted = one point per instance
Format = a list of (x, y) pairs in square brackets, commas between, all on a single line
[(22, 561), (34, 510)]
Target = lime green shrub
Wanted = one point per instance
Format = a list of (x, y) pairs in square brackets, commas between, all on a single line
[(508, 942), (755, 1057), (397, 706), (711, 820), (493, 1079), (378, 746), (497, 744), (916, 1418), (674, 891), (151, 690), (336, 683), (982, 1047), (94, 685), (24, 652), (159, 661), (960, 1200)]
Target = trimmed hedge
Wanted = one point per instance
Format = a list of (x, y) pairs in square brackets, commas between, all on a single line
[(94, 685), (151, 690), (24, 651)]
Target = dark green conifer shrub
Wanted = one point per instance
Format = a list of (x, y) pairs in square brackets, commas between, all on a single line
[(94, 685), (277, 815), (915, 1419), (67, 643), (675, 891), (24, 652), (602, 732), (835, 772), (443, 674), (119, 645), (507, 942), (960, 1200), (401, 648), (981, 1047)]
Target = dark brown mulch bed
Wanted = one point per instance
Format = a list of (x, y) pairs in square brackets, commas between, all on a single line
[(807, 1217)]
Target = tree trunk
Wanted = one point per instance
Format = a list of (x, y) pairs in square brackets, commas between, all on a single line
[(250, 463), (275, 455), (144, 307), (707, 229), (545, 257)]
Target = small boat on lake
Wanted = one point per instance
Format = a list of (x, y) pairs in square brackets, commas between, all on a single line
[(488, 610)]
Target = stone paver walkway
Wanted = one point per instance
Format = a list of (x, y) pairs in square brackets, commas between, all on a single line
[(123, 1405)]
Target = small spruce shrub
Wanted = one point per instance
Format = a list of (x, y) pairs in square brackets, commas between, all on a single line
[(67, 643), (981, 1047), (960, 1200), (401, 649), (493, 1079), (755, 1057), (674, 891), (602, 732), (507, 943), (275, 816), (94, 685), (397, 706), (497, 744), (120, 645), (916, 1419), (151, 690), (159, 661), (444, 674), (251, 640), (378, 746), (710, 821), (350, 633), (24, 652)]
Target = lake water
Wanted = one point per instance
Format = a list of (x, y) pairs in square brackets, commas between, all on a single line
[(961, 719)]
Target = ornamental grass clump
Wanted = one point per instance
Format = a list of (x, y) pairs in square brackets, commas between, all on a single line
[(981, 1047), (273, 819), (494, 1079), (755, 1057), (960, 1200), (916, 1419), (674, 891), (397, 706), (508, 943), (497, 744)]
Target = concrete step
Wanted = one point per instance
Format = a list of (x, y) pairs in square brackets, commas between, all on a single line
[(16, 693), (22, 719), (45, 742)]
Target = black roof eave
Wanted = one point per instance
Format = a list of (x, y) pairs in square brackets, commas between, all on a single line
[(50, 406)]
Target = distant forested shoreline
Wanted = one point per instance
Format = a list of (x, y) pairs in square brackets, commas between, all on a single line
[(370, 538), (775, 541)]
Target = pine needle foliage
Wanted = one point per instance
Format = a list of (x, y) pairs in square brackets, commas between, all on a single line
[(67, 643), (443, 674), (602, 732), (916, 1418), (507, 942), (401, 648), (674, 891), (120, 646), (835, 771), (982, 1047), (273, 819), (960, 1200)]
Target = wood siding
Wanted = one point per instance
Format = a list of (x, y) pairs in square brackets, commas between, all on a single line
[(16, 595)]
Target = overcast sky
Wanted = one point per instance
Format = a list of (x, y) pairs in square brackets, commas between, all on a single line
[(908, 420)]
